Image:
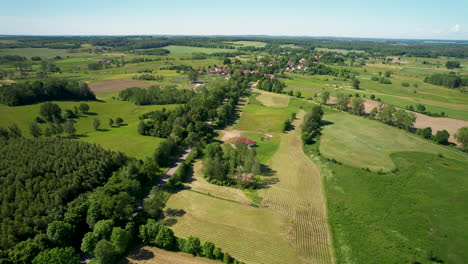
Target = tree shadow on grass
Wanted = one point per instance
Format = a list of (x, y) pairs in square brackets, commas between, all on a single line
[(91, 113), (141, 254), (77, 136), (103, 130), (169, 221), (326, 123), (268, 178), (175, 212), (265, 170)]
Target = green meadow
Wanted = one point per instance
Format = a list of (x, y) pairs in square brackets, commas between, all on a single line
[(415, 215), (365, 143), (188, 50), (124, 138)]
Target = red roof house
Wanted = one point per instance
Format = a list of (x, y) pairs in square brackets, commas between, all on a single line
[(244, 140)]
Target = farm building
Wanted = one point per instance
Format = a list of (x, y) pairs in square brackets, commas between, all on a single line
[(248, 142)]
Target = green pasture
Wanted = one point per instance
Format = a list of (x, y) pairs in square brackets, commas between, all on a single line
[(263, 119), (188, 50), (403, 217), (124, 138), (248, 43), (365, 143)]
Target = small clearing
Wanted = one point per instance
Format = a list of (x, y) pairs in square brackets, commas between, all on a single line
[(111, 86), (229, 134)]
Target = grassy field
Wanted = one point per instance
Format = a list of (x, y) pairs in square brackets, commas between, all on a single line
[(289, 227), (125, 138), (436, 98), (149, 255), (398, 218), (248, 43), (188, 50), (271, 99), (366, 143), (260, 118)]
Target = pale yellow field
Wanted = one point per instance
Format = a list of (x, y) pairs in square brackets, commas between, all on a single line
[(290, 226)]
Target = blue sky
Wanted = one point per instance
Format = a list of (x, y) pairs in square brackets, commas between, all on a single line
[(446, 19)]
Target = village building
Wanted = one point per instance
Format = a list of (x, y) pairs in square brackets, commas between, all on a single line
[(248, 142)]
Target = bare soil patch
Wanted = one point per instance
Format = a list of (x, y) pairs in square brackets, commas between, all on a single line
[(110, 86), (232, 133)]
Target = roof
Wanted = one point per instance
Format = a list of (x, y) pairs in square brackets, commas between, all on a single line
[(244, 140)]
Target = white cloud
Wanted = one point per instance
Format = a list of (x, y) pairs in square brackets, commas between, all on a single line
[(455, 28)]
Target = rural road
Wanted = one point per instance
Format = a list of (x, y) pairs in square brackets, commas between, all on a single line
[(165, 178), (175, 166)]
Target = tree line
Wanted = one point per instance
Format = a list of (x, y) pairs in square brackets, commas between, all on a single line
[(155, 234), (156, 95), (451, 80), (44, 90)]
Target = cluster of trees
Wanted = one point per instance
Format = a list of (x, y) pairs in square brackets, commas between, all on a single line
[(158, 52), (38, 183), (311, 127), (287, 125), (58, 123), (161, 236), (452, 64), (12, 58), (156, 95), (231, 164), (320, 69), (149, 77), (381, 79), (179, 68), (189, 122), (420, 108), (45, 90), (106, 242), (271, 85), (451, 80), (440, 137), (462, 137), (390, 115)]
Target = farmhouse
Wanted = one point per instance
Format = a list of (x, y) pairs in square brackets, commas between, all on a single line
[(248, 142)]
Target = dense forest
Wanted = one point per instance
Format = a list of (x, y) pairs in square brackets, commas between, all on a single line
[(44, 90), (156, 95), (40, 177)]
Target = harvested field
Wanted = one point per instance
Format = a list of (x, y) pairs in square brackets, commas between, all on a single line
[(299, 196), (290, 226), (111, 86), (149, 255), (199, 184)]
